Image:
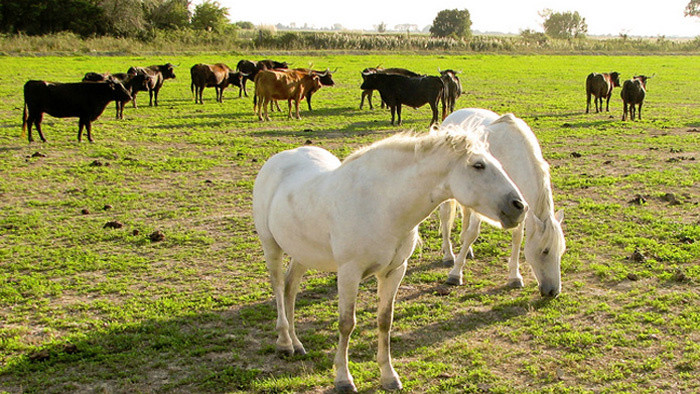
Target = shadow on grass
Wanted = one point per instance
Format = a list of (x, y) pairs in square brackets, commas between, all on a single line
[(227, 348)]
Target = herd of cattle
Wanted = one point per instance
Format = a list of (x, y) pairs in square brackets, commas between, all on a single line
[(275, 81)]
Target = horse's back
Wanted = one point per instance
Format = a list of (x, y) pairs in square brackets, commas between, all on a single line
[(484, 116), (285, 174)]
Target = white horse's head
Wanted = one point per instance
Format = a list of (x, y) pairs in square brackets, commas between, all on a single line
[(543, 250), (477, 180)]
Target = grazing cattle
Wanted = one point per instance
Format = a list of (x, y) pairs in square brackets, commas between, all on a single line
[(249, 69), (601, 87), (283, 85), (157, 75), (415, 92), (84, 100), (326, 78), (378, 70), (453, 89), (633, 92), (132, 83), (217, 75)]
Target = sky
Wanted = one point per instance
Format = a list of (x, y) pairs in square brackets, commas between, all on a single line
[(604, 17)]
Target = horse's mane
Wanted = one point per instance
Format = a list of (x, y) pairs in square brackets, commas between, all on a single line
[(454, 140), (543, 207)]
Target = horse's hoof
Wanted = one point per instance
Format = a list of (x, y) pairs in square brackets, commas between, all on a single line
[(299, 350), (516, 283), (448, 263), (454, 281), (284, 353), (345, 387), (394, 385)]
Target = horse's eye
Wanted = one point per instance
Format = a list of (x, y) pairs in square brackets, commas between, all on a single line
[(545, 252), (479, 165)]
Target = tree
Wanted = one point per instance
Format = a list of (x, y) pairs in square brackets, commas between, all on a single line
[(692, 9), (50, 16), (381, 27), (563, 24), (124, 18), (455, 23), (167, 14), (209, 16)]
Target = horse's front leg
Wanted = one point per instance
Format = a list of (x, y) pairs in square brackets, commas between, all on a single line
[(291, 287), (446, 212), (387, 285), (469, 234), (515, 280), (348, 284)]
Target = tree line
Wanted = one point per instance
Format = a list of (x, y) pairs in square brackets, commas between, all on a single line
[(142, 18), (121, 18)]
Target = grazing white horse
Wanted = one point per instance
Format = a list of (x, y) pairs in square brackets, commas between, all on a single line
[(361, 218), (512, 142)]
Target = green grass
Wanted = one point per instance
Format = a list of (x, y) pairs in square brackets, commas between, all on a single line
[(86, 308)]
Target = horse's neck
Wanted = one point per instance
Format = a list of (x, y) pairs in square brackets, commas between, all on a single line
[(409, 188), (526, 168)]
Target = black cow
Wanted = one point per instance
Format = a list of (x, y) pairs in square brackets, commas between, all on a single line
[(378, 70), (84, 100), (133, 83), (249, 69), (633, 93), (157, 75), (415, 92), (453, 89)]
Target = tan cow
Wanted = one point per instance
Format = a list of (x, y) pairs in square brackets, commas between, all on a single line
[(283, 85)]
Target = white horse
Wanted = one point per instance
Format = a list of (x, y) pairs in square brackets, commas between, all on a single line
[(512, 142), (361, 218)]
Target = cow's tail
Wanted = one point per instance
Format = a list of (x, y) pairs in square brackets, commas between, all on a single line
[(24, 121)]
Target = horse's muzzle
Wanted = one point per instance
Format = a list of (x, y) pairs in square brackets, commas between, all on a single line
[(513, 210)]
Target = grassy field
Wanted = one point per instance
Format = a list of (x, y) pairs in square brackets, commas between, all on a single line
[(84, 308)]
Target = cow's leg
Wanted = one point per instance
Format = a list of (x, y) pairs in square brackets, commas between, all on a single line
[(308, 100), (434, 108), (80, 129), (387, 285), (398, 114), (633, 110), (37, 123), (348, 283), (624, 110), (295, 272), (296, 107), (607, 103), (393, 114), (588, 102), (133, 100), (30, 120), (88, 127), (289, 111), (362, 99), (639, 113)]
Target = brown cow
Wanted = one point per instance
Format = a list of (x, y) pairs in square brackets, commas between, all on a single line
[(283, 85), (216, 75), (158, 74), (601, 86)]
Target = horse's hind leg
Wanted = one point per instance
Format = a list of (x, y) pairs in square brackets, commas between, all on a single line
[(447, 211), (387, 285), (273, 258), (348, 285), (469, 234), (515, 280), (291, 286)]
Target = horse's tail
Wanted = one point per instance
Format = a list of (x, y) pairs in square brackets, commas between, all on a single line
[(24, 121)]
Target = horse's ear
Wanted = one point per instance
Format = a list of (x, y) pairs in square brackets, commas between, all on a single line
[(559, 216), (539, 224)]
